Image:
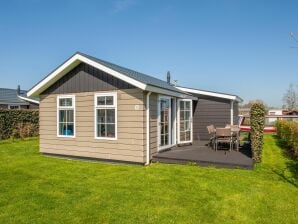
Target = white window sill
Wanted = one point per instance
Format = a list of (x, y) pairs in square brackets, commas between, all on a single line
[(66, 136), (105, 138)]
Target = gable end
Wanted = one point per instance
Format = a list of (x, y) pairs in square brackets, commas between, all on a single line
[(86, 78)]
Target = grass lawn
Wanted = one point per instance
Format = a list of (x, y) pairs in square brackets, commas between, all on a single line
[(39, 189)]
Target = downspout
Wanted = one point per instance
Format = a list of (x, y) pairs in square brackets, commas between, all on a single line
[(232, 112), (148, 128)]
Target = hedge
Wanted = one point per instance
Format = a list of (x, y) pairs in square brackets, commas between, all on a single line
[(257, 122), (19, 123), (287, 131)]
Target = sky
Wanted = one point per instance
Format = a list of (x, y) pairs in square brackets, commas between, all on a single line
[(238, 47)]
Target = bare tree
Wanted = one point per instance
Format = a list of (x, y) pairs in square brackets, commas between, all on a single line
[(290, 98)]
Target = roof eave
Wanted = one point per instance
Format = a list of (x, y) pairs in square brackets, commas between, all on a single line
[(155, 89), (212, 94), (28, 99)]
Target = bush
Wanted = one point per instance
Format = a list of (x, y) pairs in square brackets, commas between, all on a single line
[(287, 131), (19, 123), (257, 121)]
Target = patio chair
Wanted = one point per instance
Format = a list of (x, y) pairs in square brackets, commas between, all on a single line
[(235, 129), (211, 130), (223, 135)]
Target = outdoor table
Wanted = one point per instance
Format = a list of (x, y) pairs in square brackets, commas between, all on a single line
[(235, 131)]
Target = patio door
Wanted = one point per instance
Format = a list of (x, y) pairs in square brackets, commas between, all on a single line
[(184, 121), (164, 122)]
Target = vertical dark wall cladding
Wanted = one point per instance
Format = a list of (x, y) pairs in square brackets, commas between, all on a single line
[(209, 111), (85, 78)]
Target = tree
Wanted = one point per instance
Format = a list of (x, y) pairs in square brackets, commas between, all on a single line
[(290, 98), (257, 123), (251, 102)]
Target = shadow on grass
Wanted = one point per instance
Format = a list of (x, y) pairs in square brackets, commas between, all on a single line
[(291, 164)]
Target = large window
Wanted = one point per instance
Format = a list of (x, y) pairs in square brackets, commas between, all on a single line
[(106, 115), (66, 116)]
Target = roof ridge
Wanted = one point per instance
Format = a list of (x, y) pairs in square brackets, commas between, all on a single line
[(120, 66)]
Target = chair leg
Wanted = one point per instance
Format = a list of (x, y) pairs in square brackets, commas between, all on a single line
[(231, 146), (238, 143), (216, 145)]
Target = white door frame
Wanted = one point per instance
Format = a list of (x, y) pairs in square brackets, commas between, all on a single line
[(174, 127), (159, 148), (178, 121)]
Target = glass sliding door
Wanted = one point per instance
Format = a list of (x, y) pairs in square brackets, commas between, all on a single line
[(184, 121), (164, 122)]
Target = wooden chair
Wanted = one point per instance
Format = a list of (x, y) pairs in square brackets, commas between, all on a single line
[(223, 135), (235, 129), (211, 130)]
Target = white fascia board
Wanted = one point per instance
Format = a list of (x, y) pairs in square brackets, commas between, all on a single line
[(207, 93), (169, 93), (28, 99), (70, 64), (54, 76)]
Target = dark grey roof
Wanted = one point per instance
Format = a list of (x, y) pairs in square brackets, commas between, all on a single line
[(138, 76), (10, 96)]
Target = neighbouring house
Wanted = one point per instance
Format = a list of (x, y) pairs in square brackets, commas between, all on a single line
[(17, 99), (277, 112), (293, 112), (92, 108)]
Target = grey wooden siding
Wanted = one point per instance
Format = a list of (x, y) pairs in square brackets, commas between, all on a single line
[(209, 111), (85, 78)]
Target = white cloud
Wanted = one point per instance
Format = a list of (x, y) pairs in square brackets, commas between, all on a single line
[(122, 5)]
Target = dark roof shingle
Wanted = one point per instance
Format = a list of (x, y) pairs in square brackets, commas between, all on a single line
[(9, 96), (138, 76)]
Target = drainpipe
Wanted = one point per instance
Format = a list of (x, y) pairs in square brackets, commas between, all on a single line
[(232, 112), (148, 128)]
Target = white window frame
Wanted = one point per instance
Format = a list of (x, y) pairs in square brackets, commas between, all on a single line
[(73, 98), (114, 106), (170, 143), (14, 105), (178, 121)]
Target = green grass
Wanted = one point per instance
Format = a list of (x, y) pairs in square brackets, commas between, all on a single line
[(39, 189)]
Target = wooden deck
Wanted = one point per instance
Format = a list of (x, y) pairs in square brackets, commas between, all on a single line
[(204, 155)]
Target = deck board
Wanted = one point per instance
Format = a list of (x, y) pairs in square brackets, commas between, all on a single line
[(206, 156)]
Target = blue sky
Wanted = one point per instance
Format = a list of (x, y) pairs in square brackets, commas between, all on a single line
[(240, 47)]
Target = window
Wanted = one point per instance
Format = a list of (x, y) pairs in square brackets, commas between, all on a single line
[(14, 107), (106, 116), (66, 116), (185, 117)]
